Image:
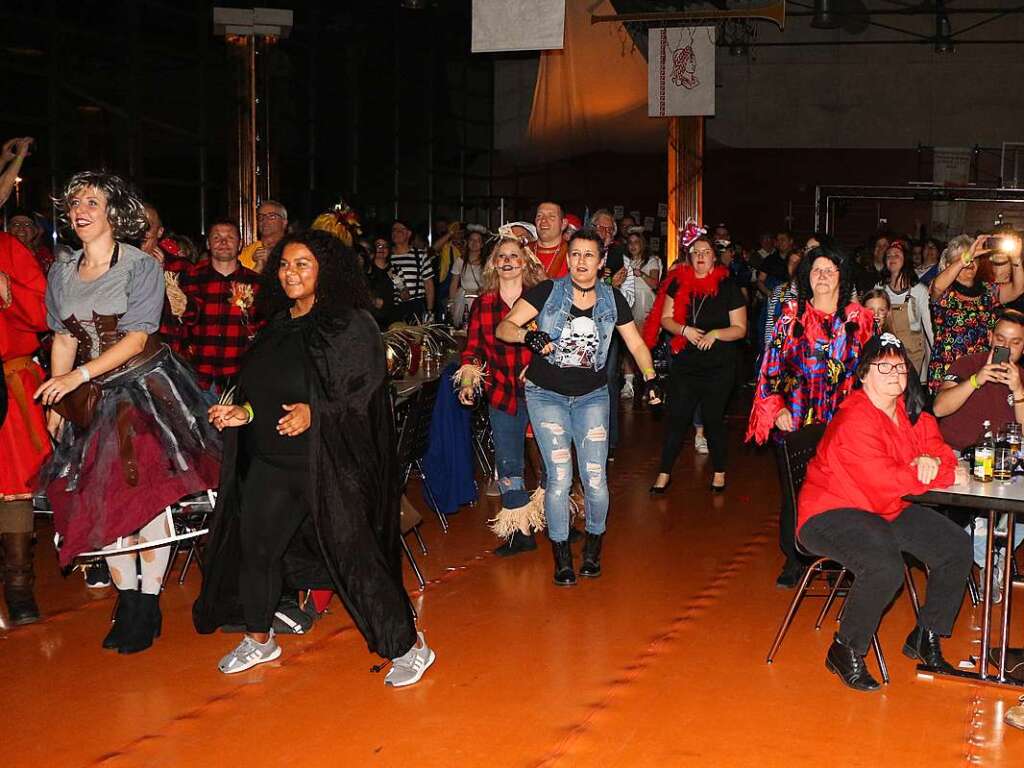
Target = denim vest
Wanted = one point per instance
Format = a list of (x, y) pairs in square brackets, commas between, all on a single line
[(554, 316)]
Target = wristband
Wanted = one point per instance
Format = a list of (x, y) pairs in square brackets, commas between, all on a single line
[(965, 260), (645, 371), (536, 341), (248, 409), (85, 373), (974, 381)]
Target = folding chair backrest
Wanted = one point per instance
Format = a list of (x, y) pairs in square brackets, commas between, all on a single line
[(414, 430), (799, 448)]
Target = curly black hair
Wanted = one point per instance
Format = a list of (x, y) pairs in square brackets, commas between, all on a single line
[(803, 284), (341, 285)]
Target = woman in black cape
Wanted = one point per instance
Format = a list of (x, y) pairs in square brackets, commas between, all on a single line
[(315, 439)]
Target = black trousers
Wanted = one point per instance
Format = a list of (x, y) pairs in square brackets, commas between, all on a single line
[(787, 515), (872, 550), (274, 504), (711, 389)]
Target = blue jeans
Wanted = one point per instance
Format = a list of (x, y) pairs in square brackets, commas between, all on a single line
[(559, 421), (509, 433)]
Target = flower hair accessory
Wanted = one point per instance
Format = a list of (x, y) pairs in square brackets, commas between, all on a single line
[(341, 221), (690, 232)]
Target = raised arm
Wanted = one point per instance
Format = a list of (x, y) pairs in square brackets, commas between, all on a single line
[(946, 277)]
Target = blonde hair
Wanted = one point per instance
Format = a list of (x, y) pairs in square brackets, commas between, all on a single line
[(533, 270)]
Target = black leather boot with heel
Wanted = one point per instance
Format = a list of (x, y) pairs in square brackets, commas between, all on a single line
[(591, 566), (565, 576)]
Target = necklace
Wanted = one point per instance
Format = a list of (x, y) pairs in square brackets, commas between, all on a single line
[(581, 289), (696, 312)]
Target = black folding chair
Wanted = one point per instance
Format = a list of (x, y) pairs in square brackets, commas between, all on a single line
[(415, 414)]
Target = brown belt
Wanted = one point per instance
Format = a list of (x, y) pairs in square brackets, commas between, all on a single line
[(20, 396), (151, 350)]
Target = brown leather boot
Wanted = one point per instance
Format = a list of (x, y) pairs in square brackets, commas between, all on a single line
[(19, 579)]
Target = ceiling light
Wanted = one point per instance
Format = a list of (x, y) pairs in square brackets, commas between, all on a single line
[(825, 15), (943, 34)]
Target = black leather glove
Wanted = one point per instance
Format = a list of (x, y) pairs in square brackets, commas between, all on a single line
[(536, 341)]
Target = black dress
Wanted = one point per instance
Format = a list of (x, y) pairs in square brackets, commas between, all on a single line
[(343, 484)]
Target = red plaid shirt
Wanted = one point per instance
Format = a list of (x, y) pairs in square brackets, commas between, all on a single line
[(219, 331), (173, 329), (505, 362)]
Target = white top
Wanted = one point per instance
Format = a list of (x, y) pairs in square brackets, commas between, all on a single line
[(471, 276)]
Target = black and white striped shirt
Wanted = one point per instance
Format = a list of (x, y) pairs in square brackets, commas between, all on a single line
[(415, 268)]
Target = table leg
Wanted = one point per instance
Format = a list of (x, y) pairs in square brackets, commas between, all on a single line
[(986, 596), (1004, 639)]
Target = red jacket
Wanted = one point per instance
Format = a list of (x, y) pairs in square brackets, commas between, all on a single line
[(26, 316), (863, 461)]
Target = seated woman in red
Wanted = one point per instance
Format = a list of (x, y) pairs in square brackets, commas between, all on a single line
[(879, 448)]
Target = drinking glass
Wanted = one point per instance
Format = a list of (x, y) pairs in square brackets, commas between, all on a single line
[(1002, 463)]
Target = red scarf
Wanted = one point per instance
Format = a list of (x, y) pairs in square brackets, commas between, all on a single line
[(689, 286)]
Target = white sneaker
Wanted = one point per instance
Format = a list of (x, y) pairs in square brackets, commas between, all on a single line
[(408, 668), (248, 654), (700, 444), (627, 391)]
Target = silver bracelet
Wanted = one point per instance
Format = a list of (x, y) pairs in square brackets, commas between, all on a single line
[(85, 373)]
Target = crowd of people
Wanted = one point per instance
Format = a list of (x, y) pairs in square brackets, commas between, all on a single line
[(141, 370)]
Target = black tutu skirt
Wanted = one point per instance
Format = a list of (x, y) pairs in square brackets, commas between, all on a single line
[(148, 446)]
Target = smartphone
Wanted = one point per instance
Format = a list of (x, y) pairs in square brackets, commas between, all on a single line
[(1000, 355)]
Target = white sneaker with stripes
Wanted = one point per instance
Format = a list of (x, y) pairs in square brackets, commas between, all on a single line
[(408, 668), (248, 654)]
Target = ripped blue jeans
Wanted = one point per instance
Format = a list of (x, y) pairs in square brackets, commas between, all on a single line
[(508, 431), (559, 421)]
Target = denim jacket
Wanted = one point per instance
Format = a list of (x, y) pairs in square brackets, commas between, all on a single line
[(555, 315)]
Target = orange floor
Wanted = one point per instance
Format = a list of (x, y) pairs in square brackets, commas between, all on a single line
[(660, 662)]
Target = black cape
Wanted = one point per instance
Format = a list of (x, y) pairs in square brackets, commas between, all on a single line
[(351, 542)]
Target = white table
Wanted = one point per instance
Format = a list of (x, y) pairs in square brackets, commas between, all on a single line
[(991, 499)]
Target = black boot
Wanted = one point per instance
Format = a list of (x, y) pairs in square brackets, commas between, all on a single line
[(591, 566), (923, 645), (519, 542), (850, 667), (564, 574), (19, 579), (145, 626), (124, 617)]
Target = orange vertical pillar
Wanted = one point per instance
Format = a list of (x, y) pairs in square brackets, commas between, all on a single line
[(685, 177)]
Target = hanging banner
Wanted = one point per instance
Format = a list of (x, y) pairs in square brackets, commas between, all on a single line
[(681, 71), (523, 25)]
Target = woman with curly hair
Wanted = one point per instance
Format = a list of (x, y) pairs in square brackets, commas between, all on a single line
[(311, 453), (123, 408), (511, 269), (808, 368)]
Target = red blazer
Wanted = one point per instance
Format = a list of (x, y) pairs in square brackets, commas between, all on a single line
[(863, 461), (26, 316)]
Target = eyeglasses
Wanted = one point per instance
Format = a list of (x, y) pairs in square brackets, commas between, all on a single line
[(886, 368), (999, 263), (832, 272), (260, 216)]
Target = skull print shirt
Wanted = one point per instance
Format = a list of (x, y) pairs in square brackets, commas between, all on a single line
[(569, 370)]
